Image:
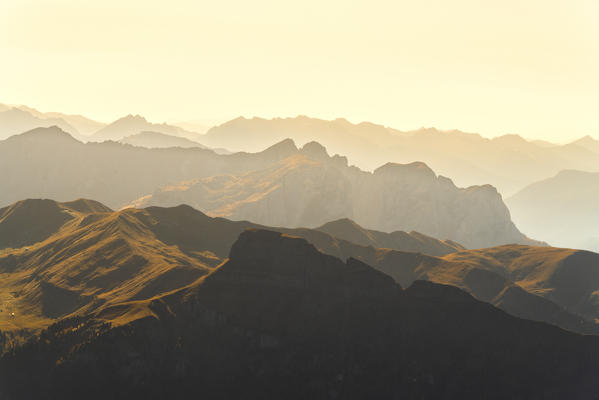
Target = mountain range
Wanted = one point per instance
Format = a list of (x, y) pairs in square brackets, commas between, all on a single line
[(79, 257), (49, 163), (507, 162), (309, 188), (134, 124), (156, 140), (16, 119), (345, 267), (285, 186), (159, 140), (563, 209), (279, 319)]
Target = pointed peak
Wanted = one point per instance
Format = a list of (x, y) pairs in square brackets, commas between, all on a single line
[(315, 150), (587, 138), (340, 223), (131, 117), (284, 146)]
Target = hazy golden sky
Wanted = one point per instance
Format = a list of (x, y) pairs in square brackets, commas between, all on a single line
[(513, 66)]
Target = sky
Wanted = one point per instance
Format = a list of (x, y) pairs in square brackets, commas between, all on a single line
[(493, 67)]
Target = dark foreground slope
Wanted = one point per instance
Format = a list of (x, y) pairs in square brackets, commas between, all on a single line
[(281, 320)]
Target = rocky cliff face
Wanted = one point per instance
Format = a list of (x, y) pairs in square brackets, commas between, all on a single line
[(310, 188)]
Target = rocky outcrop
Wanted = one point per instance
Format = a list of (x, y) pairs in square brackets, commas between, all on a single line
[(309, 188)]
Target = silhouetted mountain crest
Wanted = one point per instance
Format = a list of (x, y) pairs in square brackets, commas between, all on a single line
[(418, 170), (315, 150), (151, 139), (508, 162), (282, 149), (53, 133)]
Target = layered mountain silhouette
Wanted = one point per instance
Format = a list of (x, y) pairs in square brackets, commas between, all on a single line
[(74, 257), (283, 271), (84, 126), (285, 186), (279, 319), (508, 162), (82, 257), (49, 163), (563, 210), (547, 284), (347, 229), (135, 124), (159, 140), (588, 142), (310, 188), (14, 121)]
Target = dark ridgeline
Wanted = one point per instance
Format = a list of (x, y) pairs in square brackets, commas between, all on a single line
[(80, 256), (281, 320)]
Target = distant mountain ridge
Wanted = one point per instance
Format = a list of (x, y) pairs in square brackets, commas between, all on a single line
[(49, 163), (157, 140), (347, 229), (507, 162), (305, 187), (563, 210), (84, 126), (310, 188), (588, 142), (14, 121), (134, 124)]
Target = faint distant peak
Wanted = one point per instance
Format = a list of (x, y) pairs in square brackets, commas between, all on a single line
[(131, 118), (415, 168), (574, 173), (511, 138), (53, 132), (586, 139)]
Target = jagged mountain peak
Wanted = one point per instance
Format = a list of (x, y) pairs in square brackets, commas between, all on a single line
[(315, 150)]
